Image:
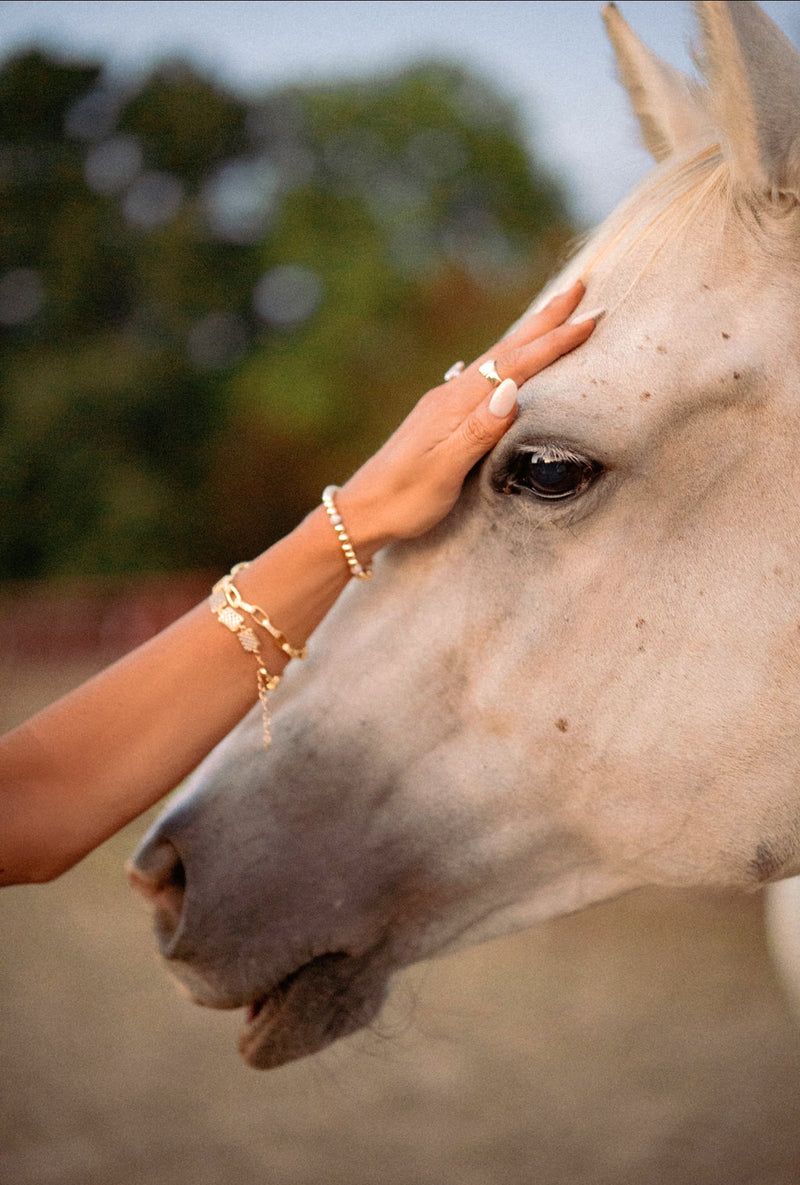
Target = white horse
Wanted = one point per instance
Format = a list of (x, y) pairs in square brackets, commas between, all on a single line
[(562, 693)]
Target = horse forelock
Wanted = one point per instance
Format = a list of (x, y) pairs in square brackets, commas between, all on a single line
[(662, 209)]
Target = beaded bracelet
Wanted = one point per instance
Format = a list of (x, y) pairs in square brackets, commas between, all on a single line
[(357, 569), (227, 603)]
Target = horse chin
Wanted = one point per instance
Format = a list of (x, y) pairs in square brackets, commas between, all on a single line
[(327, 998)]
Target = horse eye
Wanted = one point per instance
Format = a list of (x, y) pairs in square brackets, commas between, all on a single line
[(550, 475)]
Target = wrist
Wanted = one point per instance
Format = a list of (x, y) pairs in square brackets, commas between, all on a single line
[(363, 517), (332, 510)]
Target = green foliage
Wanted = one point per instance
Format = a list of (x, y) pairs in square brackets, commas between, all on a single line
[(209, 308)]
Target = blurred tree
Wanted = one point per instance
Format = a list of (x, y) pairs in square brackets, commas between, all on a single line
[(211, 307)]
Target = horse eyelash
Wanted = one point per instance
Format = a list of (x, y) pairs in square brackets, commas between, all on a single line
[(554, 452)]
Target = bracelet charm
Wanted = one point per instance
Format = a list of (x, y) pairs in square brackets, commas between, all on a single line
[(227, 603)]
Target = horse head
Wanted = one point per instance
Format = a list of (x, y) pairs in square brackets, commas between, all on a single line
[(548, 700)]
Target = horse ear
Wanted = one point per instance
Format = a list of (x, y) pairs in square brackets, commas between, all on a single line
[(753, 71), (667, 104)]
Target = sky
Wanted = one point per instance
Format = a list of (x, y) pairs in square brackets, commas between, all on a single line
[(550, 59)]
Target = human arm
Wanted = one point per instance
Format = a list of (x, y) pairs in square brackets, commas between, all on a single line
[(82, 768)]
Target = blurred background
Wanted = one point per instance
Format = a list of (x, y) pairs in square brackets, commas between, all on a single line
[(213, 302), (237, 241)]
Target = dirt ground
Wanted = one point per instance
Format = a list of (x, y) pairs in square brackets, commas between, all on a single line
[(642, 1042)]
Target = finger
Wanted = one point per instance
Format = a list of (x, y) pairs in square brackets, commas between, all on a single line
[(526, 361), (482, 429), (554, 313), (504, 400), (468, 391)]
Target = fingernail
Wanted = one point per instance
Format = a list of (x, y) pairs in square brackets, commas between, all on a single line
[(565, 290), (504, 399), (594, 315)]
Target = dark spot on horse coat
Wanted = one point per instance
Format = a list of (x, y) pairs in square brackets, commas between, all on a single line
[(725, 335), (767, 862), (736, 374), (640, 621), (661, 349), (561, 724), (645, 395)]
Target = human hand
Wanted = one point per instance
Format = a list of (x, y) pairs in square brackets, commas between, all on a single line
[(414, 480)]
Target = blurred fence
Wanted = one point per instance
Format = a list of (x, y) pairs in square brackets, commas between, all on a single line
[(92, 618)]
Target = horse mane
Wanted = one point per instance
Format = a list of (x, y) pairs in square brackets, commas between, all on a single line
[(661, 209), (657, 212), (663, 206)]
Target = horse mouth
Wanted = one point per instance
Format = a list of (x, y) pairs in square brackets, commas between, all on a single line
[(325, 999)]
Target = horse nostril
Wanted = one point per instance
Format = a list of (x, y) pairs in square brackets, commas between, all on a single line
[(157, 867), (159, 875)]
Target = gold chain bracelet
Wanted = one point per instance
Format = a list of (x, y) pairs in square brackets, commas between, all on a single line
[(227, 603), (236, 601)]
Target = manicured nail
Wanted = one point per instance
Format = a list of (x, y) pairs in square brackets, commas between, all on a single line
[(594, 315), (565, 291), (504, 399)]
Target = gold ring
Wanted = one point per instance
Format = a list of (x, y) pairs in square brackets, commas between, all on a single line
[(488, 371)]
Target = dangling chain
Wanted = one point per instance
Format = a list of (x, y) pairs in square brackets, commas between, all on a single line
[(227, 603)]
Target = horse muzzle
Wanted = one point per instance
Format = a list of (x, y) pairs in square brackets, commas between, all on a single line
[(289, 1014)]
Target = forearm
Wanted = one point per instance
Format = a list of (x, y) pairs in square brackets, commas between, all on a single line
[(81, 769), (90, 763)]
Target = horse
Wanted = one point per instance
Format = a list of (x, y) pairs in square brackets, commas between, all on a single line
[(566, 691)]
